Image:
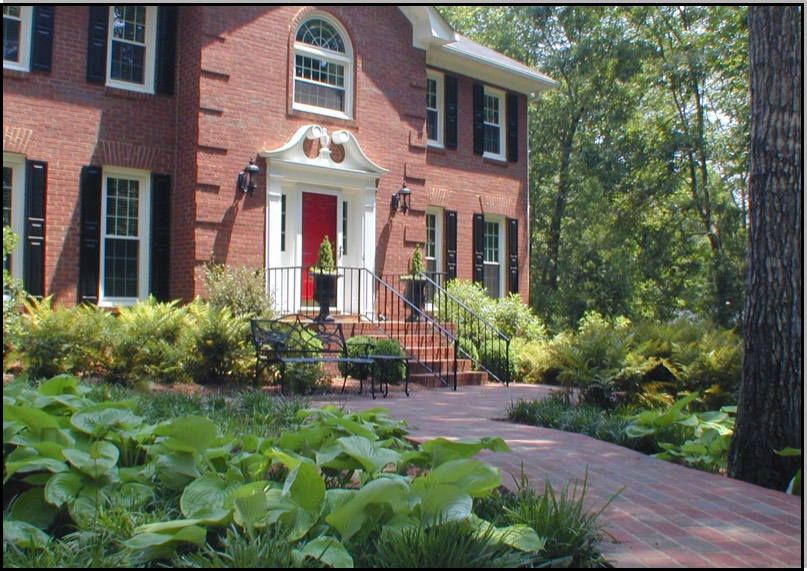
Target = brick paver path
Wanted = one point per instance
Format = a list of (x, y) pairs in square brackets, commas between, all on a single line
[(666, 515)]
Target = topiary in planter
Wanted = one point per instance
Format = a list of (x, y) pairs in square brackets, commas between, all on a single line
[(325, 276)]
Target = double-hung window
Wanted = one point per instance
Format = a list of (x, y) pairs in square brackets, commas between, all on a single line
[(494, 122), (13, 213), (125, 236), (131, 48), (17, 22), (493, 258), (434, 108), (323, 68)]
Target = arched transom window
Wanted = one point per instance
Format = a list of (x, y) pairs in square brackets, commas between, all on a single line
[(323, 68)]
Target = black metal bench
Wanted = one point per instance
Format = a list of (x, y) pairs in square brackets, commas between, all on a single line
[(299, 340)]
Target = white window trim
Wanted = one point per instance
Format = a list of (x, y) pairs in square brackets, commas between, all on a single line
[(143, 231), (345, 60), (26, 29), (150, 59), (17, 164), (500, 222), (500, 96), (438, 238), (439, 79)]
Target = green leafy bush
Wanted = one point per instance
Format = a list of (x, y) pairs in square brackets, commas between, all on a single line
[(389, 372), (357, 346), (240, 289), (13, 293), (493, 354), (58, 339), (700, 440), (217, 346), (146, 345)]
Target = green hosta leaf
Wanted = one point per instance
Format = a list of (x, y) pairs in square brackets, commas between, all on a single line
[(474, 477), (328, 550), (304, 438), (519, 536), (26, 460), (99, 419), (372, 457), (212, 516), (177, 470), (98, 461), (36, 420), (63, 385), (251, 509), (188, 434), (442, 450), (63, 488), (354, 427), (24, 535), (304, 486), (150, 546), (209, 491), (31, 507), (443, 503), (356, 512)]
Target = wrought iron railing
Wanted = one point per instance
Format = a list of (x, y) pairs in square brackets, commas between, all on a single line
[(367, 298), (477, 339)]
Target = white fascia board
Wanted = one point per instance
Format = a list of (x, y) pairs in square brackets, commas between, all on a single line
[(495, 73)]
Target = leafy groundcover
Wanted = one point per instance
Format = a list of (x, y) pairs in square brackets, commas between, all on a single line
[(340, 489)]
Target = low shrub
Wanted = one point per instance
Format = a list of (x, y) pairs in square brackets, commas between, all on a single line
[(389, 372), (147, 343), (217, 345), (357, 346), (240, 289)]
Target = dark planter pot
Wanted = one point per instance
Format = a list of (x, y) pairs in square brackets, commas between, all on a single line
[(416, 294), (325, 287)]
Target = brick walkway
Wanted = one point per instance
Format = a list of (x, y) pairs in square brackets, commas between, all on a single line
[(666, 516)]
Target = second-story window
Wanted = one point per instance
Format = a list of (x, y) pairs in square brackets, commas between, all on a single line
[(434, 108), (494, 124), (16, 37), (323, 68), (131, 46)]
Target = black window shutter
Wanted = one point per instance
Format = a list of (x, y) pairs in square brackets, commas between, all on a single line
[(451, 112), (479, 119), (512, 127), (160, 236), (90, 235), (36, 183), (97, 44), (166, 49), (479, 248), (451, 245), (42, 40), (512, 253)]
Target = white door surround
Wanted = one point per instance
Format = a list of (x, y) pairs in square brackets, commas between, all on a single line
[(352, 178)]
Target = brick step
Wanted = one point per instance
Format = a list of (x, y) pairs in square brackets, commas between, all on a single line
[(463, 379), (444, 365), (351, 327)]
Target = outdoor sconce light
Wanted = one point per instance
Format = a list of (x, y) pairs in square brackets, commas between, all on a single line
[(246, 178), (401, 198)]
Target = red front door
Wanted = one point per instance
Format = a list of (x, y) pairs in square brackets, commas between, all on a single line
[(319, 220)]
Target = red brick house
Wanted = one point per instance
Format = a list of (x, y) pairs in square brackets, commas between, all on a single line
[(126, 128)]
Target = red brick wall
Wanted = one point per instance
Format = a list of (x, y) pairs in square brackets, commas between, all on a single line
[(233, 98), (70, 123)]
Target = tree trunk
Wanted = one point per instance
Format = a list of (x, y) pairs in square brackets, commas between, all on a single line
[(770, 404)]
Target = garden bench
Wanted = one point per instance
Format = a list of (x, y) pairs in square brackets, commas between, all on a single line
[(300, 340)]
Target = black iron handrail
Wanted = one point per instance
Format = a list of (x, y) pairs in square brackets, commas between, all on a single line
[(363, 294), (477, 338)]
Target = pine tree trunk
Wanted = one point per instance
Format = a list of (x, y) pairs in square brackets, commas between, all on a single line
[(770, 404)]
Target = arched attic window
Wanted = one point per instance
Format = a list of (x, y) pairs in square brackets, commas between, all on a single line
[(323, 68)]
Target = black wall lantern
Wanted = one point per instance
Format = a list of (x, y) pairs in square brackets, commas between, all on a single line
[(246, 178), (400, 200)]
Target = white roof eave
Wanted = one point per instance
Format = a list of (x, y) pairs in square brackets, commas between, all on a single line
[(451, 58)]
